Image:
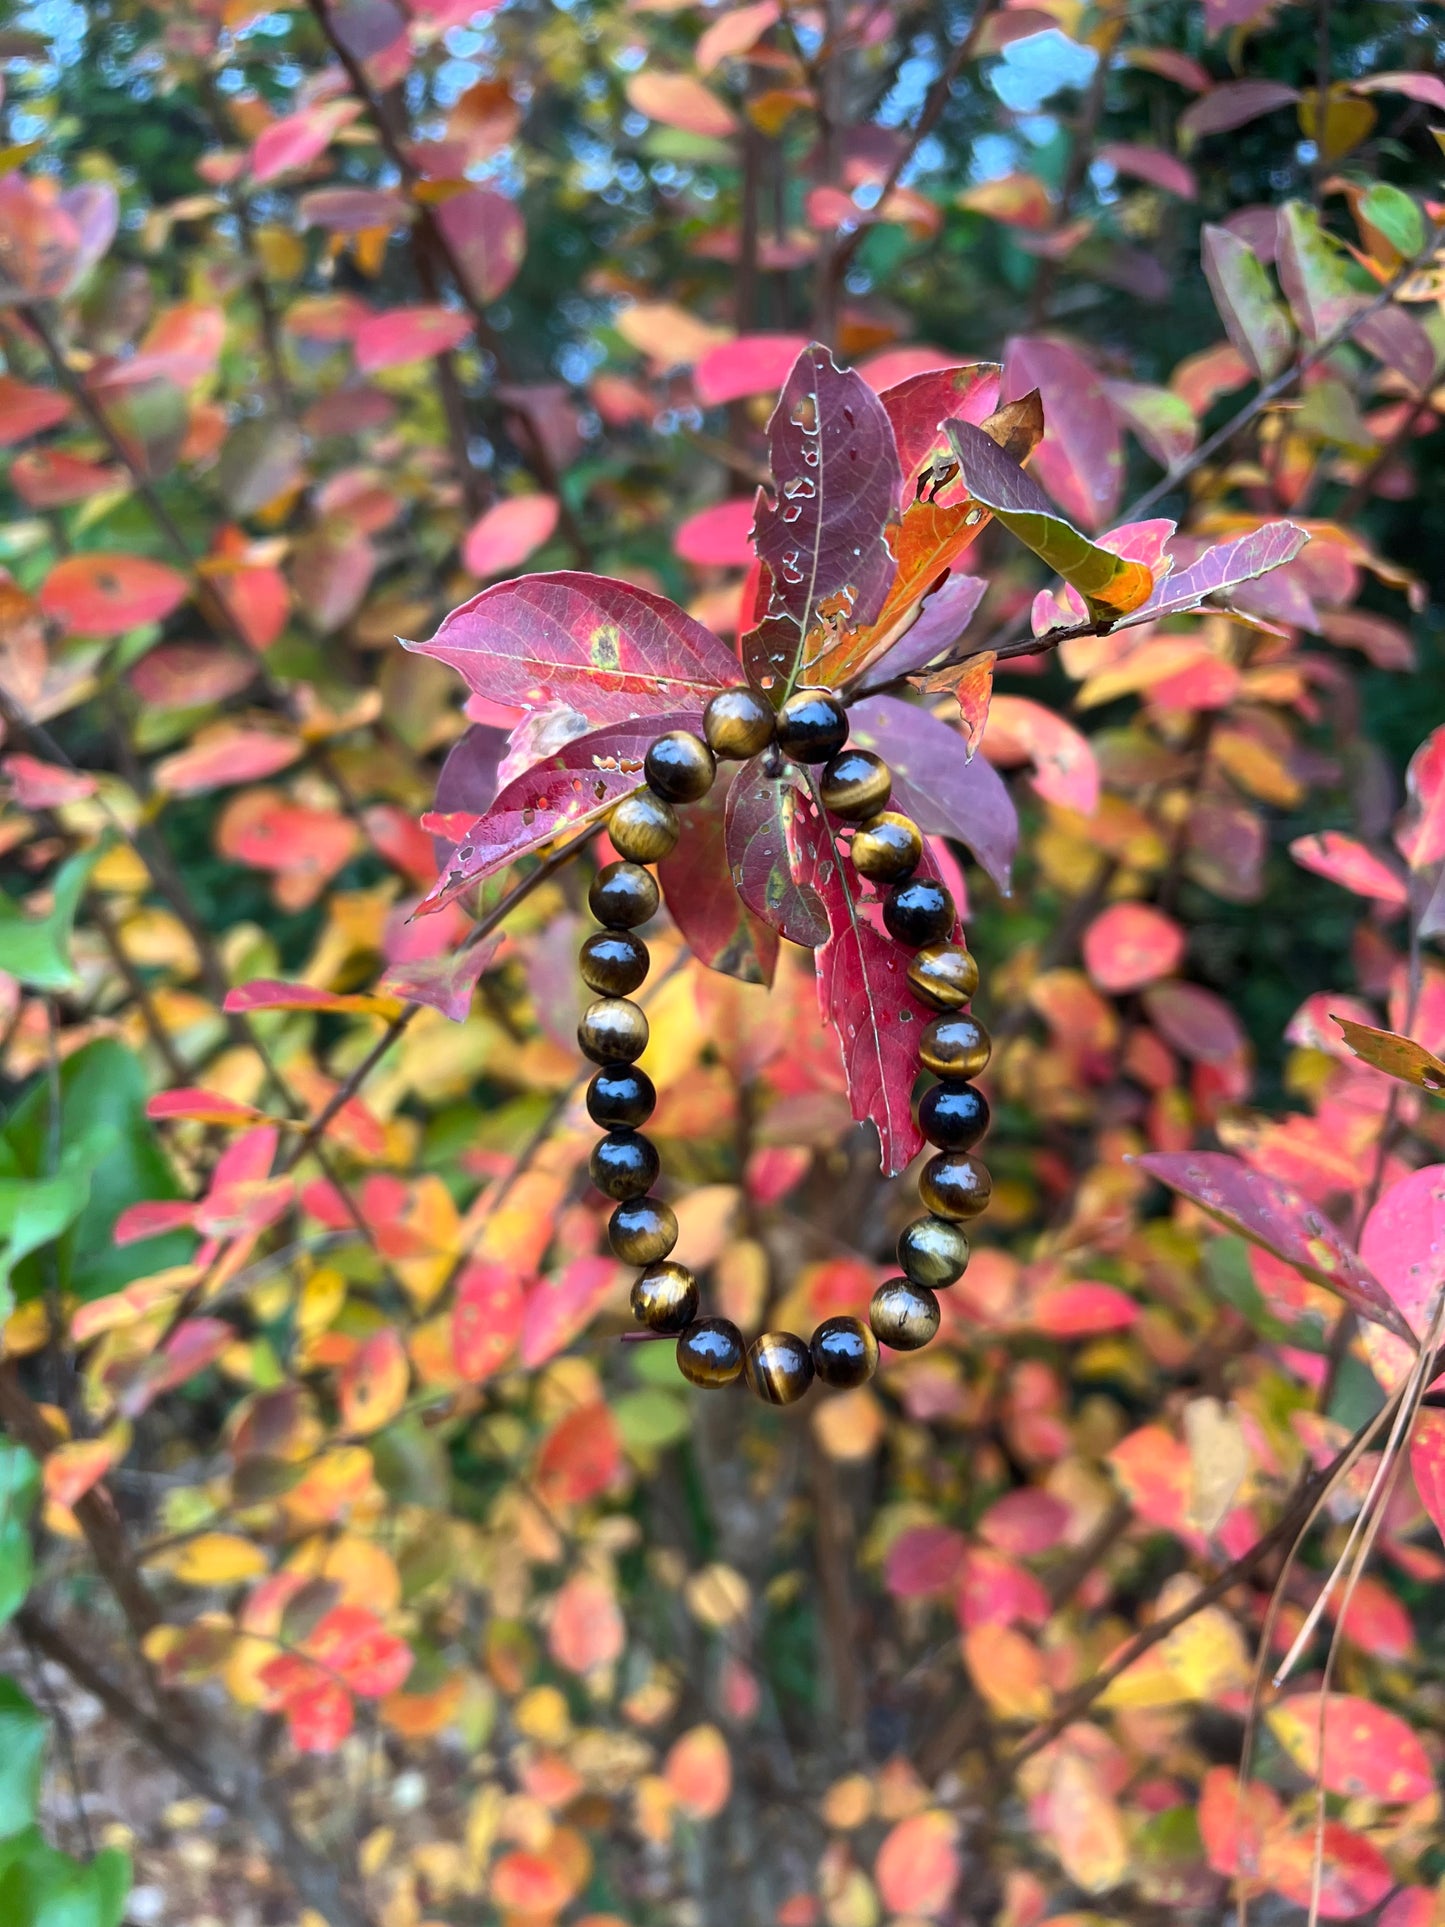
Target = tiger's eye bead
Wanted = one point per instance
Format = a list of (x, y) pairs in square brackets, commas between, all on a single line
[(918, 912), (855, 784), (845, 1353), (779, 1367), (642, 1231), (812, 725), (613, 1031), (710, 1352), (643, 828), (623, 895), (954, 1185), (932, 1252), (944, 975), (680, 767), (624, 1165), (887, 847), (953, 1116), (738, 723), (613, 962), (620, 1095), (665, 1297), (954, 1046), (903, 1315)]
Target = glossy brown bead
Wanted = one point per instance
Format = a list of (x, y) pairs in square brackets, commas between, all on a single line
[(710, 1352), (738, 724), (855, 784), (918, 912), (642, 1231), (954, 1185), (779, 1367), (613, 962), (933, 1252), (664, 1298), (812, 725), (679, 766), (887, 847), (620, 1094), (644, 828), (954, 1046), (623, 895), (845, 1353), (943, 975), (953, 1116), (613, 1031), (903, 1315), (624, 1165)]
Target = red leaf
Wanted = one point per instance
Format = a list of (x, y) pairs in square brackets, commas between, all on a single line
[(319, 1713), (936, 782), (331, 570), (486, 1320), (104, 595), (399, 335), (1427, 1463), (821, 535), (444, 983), (1196, 1022), (581, 1456), (1347, 862), (298, 139), (997, 1591), (917, 408), (27, 411), (1130, 945), (607, 650), (488, 236), (864, 994), (762, 861), (924, 1560), (49, 478), (182, 346), (271, 993), (185, 675), (558, 1309), (586, 1629), (44, 786), (352, 1642), (502, 539), (1081, 1310), (751, 365), (1422, 838), (1080, 460), (206, 1107), (698, 1772), (704, 898), (917, 1868), (228, 753), (1403, 1243), (1369, 1753), (718, 537), (1025, 1522), (940, 623), (1284, 1222), (1065, 771), (1151, 164)]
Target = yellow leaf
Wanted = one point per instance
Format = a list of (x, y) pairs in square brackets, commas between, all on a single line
[(1084, 1823), (1008, 1671), (214, 1559), (717, 1596), (1218, 1460)]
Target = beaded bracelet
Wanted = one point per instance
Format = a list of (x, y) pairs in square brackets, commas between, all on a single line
[(810, 727)]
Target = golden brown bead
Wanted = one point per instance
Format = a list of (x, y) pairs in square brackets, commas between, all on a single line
[(620, 1094), (623, 895), (943, 975), (954, 1185), (624, 1165), (613, 1031), (738, 724), (779, 1367), (643, 1231), (887, 847), (953, 1116), (812, 725), (710, 1352), (954, 1046), (680, 767), (664, 1298), (932, 1252), (845, 1353), (613, 962), (918, 912), (903, 1315), (855, 784), (643, 828)]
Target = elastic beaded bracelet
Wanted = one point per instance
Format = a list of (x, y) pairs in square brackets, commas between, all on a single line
[(855, 786)]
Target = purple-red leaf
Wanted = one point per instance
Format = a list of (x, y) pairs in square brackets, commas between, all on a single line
[(607, 650), (1283, 1221), (936, 785), (697, 883), (1232, 105), (760, 815), (1080, 460), (920, 406), (821, 535), (941, 621), (488, 238), (1223, 568), (864, 995), (443, 983)]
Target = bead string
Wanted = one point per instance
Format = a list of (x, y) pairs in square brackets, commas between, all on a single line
[(854, 785)]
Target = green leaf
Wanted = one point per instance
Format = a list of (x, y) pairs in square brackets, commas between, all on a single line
[(22, 1757), (35, 1211), (1255, 322), (1320, 282), (652, 1420), (44, 1888), (36, 950), (1109, 585), (19, 1490), (1395, 214)]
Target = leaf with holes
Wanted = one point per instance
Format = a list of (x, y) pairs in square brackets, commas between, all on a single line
[(821, 534), (105, 595), (1396, 1056), (1284, 1222), (372, 1386), (761, 812), (918, 408), (1369, 1753), (486, 1320)]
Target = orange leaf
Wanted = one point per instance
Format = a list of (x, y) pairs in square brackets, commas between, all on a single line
[(698, 1771), (917, 1867), (586, 1629), (372, 1387)]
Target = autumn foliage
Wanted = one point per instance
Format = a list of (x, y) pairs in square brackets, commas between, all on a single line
[(409, 410)]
